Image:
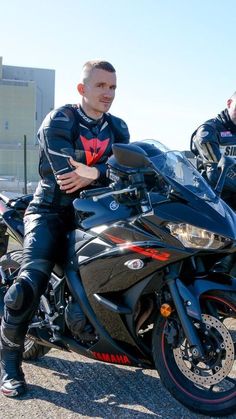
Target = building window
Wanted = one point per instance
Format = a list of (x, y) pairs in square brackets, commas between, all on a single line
[(6, 125)]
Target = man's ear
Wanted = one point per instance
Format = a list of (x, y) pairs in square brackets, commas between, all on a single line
[(229, 101), (80, 88)]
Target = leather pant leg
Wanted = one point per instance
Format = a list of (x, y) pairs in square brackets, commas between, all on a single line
[(44, 245)]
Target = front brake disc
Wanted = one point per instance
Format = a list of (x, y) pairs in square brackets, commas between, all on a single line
[(221, 359)]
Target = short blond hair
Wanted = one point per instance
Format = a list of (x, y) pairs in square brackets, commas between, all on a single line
[(89, 66)]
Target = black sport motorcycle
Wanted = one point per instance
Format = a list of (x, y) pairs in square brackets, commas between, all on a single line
[(139, 274)]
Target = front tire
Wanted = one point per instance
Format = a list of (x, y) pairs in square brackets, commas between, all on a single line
[(10, 264), (207, 387)]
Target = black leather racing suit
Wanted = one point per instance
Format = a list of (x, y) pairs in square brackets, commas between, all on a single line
[(209, 142), (65, 132)]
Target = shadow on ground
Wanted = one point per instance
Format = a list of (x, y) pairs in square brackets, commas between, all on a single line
[(94, 389), (104, 390)]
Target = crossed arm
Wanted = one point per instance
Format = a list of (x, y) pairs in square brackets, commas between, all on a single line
[(80, 177)]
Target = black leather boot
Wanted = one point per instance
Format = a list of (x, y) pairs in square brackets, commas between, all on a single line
[(11, 349)]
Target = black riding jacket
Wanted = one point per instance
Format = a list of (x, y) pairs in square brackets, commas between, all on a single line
[(214, 138), (69, 132)]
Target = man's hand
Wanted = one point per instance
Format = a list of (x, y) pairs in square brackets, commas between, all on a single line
[(79, 178)]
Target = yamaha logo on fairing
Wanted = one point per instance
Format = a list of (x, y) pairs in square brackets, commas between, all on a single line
[(134, 264), (112, 358), (114, 205)]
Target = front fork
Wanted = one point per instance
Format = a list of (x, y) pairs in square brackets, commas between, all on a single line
[(186, 322)]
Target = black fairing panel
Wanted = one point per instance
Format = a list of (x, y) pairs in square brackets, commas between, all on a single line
[(105, 271), (103, 261), (77, 239), (216, 217)]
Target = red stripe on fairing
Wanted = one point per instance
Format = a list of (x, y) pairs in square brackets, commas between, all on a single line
[(177, 384), (153, 253)]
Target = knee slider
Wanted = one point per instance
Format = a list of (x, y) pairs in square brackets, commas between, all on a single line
[(19, 295), (24, 294)]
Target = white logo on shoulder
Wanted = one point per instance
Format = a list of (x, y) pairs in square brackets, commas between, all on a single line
[(114, 205), (204, 133)]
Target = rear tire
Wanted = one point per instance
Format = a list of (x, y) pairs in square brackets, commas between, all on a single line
[(10, 264), (207, 387)]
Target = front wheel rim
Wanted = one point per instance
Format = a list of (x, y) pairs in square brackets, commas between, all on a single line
[(202, 395), (220, 360)]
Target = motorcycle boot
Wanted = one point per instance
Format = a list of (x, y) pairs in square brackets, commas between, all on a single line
[(20, 301), (78, 324), (11, 352)]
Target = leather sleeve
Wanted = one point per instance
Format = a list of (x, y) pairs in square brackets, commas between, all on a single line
[(207, 143), (102, 167), (230, 181), (56, 139)]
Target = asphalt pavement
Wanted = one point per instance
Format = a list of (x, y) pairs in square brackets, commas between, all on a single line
[(66, 385)]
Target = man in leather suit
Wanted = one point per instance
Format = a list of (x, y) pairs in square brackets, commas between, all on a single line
[(214, 138), (75, 142)]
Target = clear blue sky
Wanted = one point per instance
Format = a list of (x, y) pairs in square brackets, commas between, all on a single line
[(175, 59)]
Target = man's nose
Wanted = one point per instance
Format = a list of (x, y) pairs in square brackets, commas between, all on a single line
[(109, 92)]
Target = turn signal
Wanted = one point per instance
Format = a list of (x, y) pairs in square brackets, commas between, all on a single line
[(165, 310)]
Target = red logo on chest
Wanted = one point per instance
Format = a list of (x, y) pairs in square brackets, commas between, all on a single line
[(94, 149)]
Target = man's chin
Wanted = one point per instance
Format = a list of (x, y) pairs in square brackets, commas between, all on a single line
[(106, 106)]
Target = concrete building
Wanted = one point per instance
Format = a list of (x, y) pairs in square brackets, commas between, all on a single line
[(26, 96)]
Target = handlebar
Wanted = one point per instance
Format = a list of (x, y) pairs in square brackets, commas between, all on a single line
[(99, 193), (113, 192), (94, 192)]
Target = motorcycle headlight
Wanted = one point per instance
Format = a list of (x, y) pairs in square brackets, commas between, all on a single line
[(191, 236)]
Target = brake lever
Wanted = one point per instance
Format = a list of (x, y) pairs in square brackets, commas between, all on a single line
[(96, 198)]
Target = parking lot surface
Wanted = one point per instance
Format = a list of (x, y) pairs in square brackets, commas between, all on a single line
[(66, 385)]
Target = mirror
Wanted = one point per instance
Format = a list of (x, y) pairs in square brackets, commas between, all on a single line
[(130, 155)]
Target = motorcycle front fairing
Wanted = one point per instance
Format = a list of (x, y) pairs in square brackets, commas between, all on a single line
[(122, 238), (205, 209), (104, 261)]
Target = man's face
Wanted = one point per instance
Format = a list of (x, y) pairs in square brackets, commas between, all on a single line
[(231, 105), (98, 92)]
